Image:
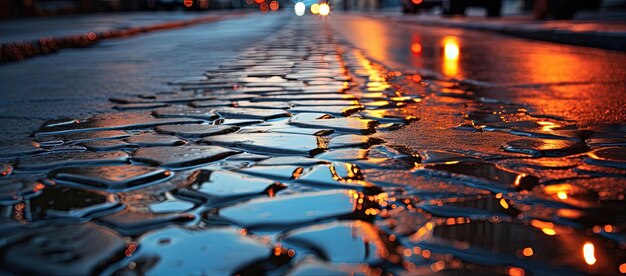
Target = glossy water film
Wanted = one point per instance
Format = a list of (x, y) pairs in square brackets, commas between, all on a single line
[(304, 156)]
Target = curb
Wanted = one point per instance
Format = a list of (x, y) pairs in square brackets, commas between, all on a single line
[(604, 40), (16, 51)]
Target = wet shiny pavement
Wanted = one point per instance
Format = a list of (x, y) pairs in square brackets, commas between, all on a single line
[(578, 83), (304, 156)]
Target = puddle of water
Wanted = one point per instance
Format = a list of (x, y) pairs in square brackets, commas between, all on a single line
[(280, 172), (81, 137), (210, 103), (315, 267), (483, 207), (110, 178), (57, 247), (196, 131), (545, 147), (54, 160), (66, 202), (349, 125), (548, 244), (225, 184), (366, 242), (177, 249), (337, 175), (13, 190), (610, 157), (271, 143), (182, 156), (251, 113), (130, 223), (112, 121), (186, 112), (483, 175), (353, 141), (147, 139), (292, 209), (332, 110), (108, 145)]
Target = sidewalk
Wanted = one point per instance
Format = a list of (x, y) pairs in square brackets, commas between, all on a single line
[(23, 38), (599, 30)]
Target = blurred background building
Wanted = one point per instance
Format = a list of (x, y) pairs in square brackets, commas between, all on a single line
[(26, 8), (556, 9)]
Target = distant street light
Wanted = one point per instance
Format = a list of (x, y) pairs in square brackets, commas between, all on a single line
[(299, 9), (324, 9), (315, 8)]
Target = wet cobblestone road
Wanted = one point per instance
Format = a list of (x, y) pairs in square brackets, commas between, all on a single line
[(281, 163)]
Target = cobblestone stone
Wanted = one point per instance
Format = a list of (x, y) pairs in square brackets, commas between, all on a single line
[(277, 162)]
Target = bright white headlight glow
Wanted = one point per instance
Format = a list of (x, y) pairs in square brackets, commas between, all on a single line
[(324, 9), (299, 9)]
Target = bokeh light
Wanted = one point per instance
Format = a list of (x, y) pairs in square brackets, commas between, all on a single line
[(315, 8), (324, 9), (416, 48), (299, 9), (274, 5), (451, 54), (451, 49), (264, 7), (589, 252)]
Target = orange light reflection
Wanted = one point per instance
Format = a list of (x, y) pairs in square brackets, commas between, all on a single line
[(451, 54)]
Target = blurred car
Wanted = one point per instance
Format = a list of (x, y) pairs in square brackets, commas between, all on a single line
[(560, 9), (199, 5), (457, 7), (413, 6), (158, 4), (565, 9)]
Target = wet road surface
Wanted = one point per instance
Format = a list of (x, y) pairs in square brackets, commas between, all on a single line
[(306, 156), (583, 84), (27, 29), (78, 82)]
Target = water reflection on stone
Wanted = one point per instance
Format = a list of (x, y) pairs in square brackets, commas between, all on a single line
[(293, 159)]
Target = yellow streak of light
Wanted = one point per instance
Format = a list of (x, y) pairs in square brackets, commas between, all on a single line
[(546, 227), (451, 50), (451, 53), (504, 204)]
